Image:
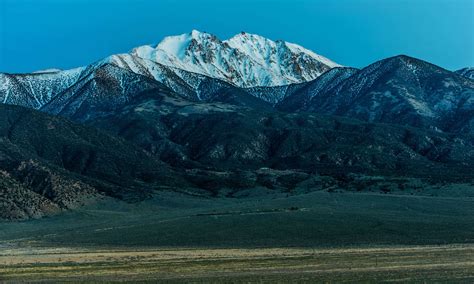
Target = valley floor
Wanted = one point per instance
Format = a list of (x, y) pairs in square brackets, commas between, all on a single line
[(453, 263), (263, 237)]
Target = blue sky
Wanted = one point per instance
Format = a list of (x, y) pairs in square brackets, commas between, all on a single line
[(39, 34)]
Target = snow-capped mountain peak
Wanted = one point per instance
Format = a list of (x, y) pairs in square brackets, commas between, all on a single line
[(245, 60), (183, 63)]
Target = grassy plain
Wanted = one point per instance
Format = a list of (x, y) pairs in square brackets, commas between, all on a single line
[(453, 263), (264, 237)]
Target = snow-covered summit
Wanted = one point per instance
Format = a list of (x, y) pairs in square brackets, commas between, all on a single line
[(183, 63), (246, 60)]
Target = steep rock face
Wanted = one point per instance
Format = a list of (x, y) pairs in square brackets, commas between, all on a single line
[(401, 90), (246, 60)]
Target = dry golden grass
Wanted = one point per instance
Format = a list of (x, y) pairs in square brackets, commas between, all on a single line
[(394, 264)]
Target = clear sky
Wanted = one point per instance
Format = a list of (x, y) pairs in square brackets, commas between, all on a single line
[(40, 34)]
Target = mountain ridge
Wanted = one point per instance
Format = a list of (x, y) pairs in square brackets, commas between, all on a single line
[(245, 60), (399, 89)]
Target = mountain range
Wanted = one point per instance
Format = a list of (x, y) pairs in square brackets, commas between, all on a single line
[(204, 116)]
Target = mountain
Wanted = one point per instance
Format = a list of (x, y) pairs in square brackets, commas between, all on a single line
[(156, 139), (221, 146), (209, 117), (49, 164), (400, 90), (107, 87), (467, 72), (245, 60), (185, 83), (196, 65), (192, 86), (45, 89), (98, 93)]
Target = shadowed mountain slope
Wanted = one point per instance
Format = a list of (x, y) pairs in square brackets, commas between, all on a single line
[(400, 90), (49, 164)]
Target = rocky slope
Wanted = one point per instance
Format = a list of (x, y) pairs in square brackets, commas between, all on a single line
[(467, 72), (48, 164)]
